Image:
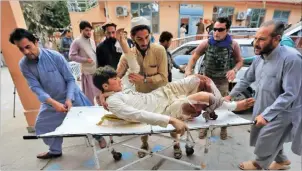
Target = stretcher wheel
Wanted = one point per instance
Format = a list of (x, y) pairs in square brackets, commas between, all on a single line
[(189, 150), (116, 155)]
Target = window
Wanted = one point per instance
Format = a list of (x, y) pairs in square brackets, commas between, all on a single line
[(255, 17), (223, 12), (186, 50), (81, 5), (149, 11), (281, 16)]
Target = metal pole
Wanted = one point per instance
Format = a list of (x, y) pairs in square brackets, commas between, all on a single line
[(14, 110), (167, 158), (96, 158)]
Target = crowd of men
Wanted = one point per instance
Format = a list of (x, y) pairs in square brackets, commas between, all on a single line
[(278, 98)]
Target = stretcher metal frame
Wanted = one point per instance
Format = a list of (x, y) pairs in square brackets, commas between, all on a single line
[(190, 143)]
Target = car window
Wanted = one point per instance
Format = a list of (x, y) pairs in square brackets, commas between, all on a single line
[(297, 33), (185, 50), (247, 51)]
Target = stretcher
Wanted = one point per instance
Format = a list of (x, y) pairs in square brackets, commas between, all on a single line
[(82, 121)]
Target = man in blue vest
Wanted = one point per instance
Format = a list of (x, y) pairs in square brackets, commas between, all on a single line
[(221, 62)]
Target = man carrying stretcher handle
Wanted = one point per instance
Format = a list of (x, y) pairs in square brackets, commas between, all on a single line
[(178, 100)]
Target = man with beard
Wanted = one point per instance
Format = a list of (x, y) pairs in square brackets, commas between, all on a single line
[(151, 59), (222, 60), (82, 50), (107, 52), (277, 110), (49, 77)]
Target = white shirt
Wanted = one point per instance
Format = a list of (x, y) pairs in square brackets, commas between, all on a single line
[(121, 104)]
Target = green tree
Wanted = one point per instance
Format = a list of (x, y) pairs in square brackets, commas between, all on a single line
[(52, 14)]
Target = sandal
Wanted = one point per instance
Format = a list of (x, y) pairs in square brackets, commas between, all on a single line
[(248, 165), (279, 166), (177, 152), (286, 162), (142, 154), (203, 133), (223, 133)]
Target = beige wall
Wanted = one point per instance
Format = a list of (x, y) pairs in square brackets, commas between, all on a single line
[(93, 15), (12, 16), (168, 18), (169, 13), (122, 22)]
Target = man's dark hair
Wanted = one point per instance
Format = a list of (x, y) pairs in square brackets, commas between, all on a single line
[(135, 29), (165, 36), (108, 25), (279, 27), (225, 20), (84, 24), (20, 33), (102, 75)]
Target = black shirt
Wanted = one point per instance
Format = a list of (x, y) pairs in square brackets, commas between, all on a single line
[(107, 55)]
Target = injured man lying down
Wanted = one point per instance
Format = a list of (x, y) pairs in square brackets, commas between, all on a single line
[(179, 100)]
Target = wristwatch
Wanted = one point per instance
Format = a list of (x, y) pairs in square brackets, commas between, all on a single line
[(236, 70)]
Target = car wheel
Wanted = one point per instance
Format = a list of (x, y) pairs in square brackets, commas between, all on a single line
[(241, 96)]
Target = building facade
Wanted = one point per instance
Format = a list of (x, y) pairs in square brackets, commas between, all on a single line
[(169, 15)]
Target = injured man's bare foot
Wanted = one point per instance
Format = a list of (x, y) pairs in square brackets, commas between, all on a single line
[(237, 105)]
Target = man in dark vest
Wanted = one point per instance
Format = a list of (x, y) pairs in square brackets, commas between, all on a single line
[(222, 60), (108, 52)]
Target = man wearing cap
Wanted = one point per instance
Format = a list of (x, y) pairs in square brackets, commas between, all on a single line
[(107, 52), (151, 58)]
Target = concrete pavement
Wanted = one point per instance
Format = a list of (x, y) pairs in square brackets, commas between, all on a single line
[(18, 154)]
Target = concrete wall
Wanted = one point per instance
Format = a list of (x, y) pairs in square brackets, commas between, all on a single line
[(168, 18), (11, 18), (122, 22), (169, 13), (93, 15)]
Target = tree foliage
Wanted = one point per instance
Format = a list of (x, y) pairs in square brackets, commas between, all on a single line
[(38, 14)]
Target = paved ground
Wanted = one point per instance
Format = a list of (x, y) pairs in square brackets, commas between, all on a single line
[(17, 153)]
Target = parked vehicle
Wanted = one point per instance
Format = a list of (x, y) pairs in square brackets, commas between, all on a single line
[(294, 30)]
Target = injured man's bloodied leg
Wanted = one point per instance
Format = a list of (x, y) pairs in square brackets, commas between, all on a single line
[(163, 106), (206, 102)]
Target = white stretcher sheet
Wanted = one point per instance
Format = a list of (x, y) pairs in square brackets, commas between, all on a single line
[(83, 121)]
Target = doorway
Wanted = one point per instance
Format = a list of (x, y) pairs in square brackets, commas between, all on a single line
[(190, 15)]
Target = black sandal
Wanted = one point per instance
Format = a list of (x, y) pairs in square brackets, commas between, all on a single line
[(48, 156)]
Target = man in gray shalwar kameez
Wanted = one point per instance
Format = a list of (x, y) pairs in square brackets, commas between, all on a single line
[(277, 110)]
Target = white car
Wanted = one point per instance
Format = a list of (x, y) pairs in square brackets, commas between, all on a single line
[(294, 30), (182, 54)]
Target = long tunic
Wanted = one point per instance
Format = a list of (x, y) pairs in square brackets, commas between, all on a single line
[(149, 107), (153, 65), (80, 50), (154, 107), (51, 77), (278, 96)]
